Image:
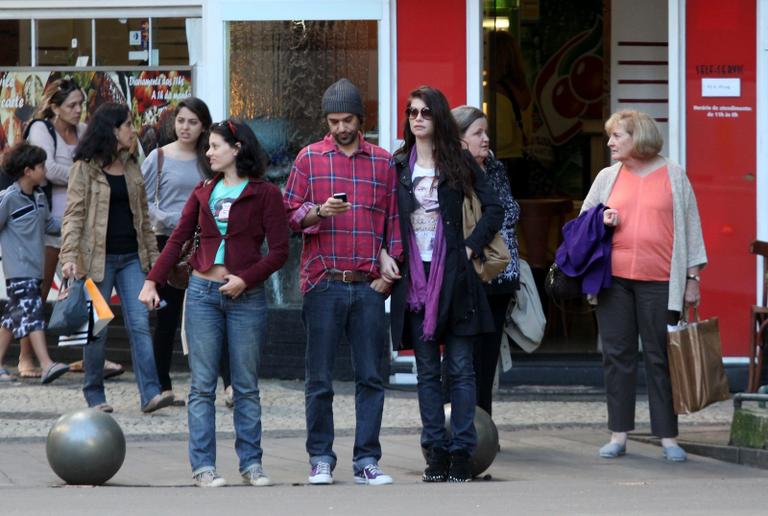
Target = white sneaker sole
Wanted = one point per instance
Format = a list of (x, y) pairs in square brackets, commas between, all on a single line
[(260, 482), (378, 482), (320, 480), (219, 482)]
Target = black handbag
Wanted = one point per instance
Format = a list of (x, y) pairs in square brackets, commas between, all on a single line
[(71, 313), (561, 287)]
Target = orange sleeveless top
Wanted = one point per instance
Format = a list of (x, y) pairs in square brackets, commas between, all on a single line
[(642, 242)]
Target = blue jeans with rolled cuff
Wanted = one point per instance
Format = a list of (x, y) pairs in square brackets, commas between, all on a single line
[(213, 321)]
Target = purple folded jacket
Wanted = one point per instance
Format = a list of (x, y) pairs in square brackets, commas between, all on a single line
[(586, 250)]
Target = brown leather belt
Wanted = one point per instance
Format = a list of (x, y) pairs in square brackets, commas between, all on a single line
[(347, 276)]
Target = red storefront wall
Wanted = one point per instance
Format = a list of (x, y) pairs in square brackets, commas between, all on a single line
[(721, 157), (431, 49)]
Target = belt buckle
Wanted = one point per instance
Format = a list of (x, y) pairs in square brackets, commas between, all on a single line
[(344, 276)]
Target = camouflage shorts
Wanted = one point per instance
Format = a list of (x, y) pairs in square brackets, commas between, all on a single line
[(24, 311)]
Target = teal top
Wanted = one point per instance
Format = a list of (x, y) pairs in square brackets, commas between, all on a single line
[(220, 202)]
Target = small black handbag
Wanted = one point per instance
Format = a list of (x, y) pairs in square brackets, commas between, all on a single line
[(561, 287), (71, 313)]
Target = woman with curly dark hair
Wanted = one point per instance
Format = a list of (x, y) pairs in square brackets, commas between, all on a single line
[(225, 303), (106, 236), (440, 299)]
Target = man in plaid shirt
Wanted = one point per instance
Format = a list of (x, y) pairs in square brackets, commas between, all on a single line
[(341, 195)]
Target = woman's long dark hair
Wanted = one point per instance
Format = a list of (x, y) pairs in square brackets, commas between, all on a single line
[(251, 160), (200, 109), (99, 142), (54, 95), (450, 158)]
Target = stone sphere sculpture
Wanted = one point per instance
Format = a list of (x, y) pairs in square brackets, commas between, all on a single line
[(487, 440), (85, 447)]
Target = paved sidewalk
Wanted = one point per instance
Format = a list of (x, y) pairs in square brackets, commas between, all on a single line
[(547, 465), (27, 409)]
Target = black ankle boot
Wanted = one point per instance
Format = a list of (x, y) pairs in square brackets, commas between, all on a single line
[(460, 471), (437, 465)]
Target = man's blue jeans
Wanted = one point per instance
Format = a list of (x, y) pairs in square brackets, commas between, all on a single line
[(123, 272), (332, 310), (212, 321), (460, 369)]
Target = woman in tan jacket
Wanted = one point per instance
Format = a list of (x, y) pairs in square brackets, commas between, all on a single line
[(106, 235)]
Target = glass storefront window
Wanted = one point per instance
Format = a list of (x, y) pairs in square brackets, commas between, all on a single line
[(544, 80), (123, 41), (278, 71), (15, 42), (169, 42), (62, 42)]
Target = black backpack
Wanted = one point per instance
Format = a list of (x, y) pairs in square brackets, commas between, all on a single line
[(5, 179)]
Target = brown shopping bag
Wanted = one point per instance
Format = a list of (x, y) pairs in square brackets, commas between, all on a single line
[(696, 364)]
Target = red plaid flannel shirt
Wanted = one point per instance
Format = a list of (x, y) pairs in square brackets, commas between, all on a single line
[(350, 241)]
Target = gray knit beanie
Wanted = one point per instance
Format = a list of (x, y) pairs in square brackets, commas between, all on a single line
[(342, 97)]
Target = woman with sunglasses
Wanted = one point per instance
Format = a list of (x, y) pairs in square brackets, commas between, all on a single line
[(170, 174), (106, 236), (225, 303), (440, 299)]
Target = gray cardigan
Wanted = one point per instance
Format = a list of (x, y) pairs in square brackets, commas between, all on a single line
[(688, 241)]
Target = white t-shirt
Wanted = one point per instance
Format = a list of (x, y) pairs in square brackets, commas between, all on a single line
[(424, 217)]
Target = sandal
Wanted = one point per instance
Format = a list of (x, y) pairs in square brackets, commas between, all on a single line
[(111, 369), (55, 370), (76, 367), (29, 372), (27, 369), (6, 376)]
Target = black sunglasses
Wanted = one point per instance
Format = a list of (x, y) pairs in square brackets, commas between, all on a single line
[(413, 113), (226, 124)]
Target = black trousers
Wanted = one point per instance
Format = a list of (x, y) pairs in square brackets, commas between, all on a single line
[(486, 353), (627, 309), (165, 327)]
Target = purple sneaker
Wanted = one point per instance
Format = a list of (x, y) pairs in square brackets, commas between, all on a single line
[(321, 474), (372, 475)]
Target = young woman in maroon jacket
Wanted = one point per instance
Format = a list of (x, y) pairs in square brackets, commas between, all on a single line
[(225, 299)]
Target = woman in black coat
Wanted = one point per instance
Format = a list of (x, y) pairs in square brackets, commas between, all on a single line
[(439, 298)]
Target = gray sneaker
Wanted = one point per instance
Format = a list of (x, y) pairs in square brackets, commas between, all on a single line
[(256, 477), (209, 478)]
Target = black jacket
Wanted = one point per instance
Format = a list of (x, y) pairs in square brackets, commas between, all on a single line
[(463, 307)]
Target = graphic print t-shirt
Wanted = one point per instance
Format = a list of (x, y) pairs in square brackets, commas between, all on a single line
[(220, 202), (424, 217)]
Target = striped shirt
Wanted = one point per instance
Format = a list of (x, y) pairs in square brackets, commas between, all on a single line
[(352, 240)]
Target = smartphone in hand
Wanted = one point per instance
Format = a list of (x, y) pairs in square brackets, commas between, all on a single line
[(340, 196)]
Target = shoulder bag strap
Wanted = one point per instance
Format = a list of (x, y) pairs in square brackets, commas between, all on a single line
[(159, 171)]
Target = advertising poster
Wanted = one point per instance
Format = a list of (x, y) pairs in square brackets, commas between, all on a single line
[(149, 93)]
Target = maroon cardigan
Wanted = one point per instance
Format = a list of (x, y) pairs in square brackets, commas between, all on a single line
[(257, 213)]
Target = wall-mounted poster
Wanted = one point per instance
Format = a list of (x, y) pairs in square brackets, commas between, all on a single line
[(149, 93)]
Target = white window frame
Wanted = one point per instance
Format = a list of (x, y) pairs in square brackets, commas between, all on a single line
[(213, 73)]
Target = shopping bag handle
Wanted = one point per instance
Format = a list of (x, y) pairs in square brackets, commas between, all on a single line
[(685, 314)]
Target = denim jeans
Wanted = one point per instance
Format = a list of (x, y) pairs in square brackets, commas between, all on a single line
[(332, 310), (461, 373), (123, 272), (210, 318)]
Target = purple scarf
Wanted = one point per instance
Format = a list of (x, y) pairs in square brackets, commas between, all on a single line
[(425, 292)]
